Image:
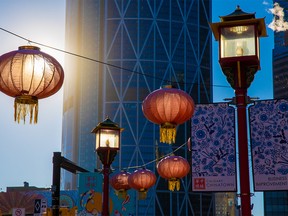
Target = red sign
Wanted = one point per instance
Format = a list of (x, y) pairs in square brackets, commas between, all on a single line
[(199, 183)]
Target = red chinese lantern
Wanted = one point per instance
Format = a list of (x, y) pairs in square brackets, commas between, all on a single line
[(168, 107), (27, 74), (173, 168), (141, 180), (120, 184)]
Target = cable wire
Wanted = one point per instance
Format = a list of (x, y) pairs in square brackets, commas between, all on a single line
[(153, 161), (104, 63)]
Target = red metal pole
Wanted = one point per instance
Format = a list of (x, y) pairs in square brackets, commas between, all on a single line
[(241, 96), (105, 198)]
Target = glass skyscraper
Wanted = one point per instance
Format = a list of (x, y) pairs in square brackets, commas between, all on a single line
[(280, 57), (276, 202), (120, 51)]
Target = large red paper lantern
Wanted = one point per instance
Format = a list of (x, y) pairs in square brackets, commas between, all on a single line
[(173, 168), (120, 184), (168, 107), (141, 180), (27, 74)]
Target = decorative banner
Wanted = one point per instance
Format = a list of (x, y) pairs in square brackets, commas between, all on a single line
[(269, 144), (90, 202), (68, 198), (213, 148)]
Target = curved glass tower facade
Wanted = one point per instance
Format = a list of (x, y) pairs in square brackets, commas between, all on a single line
[(133, 48)]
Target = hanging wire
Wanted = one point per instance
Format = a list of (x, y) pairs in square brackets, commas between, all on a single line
[(153, 161), (104, 63), (115, 66)]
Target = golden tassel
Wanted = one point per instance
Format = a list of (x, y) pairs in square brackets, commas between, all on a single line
[(167, 133), (178, 185), (142, 194), (26, 105), (174, 183), (121, 194)]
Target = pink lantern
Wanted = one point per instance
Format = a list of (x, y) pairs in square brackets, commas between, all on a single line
[(173, 168), (141, 180), (168, 107), (120, 184), (27, 74)]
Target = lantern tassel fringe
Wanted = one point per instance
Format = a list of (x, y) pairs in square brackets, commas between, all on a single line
[(121, 194), (174, 183), (24, 106), (142, 194), (167, 134)]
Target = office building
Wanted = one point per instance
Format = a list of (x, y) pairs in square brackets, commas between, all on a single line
[(226, 204), (124, 50), (275, 202), (280, 57)]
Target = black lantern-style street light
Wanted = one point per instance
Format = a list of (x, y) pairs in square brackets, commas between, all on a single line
[(107, 145), (238, 35)]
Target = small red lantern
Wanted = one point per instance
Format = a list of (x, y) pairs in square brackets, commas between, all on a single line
[(119, 182), (173, 168), (141, 180), (168, 107), (27, 74)]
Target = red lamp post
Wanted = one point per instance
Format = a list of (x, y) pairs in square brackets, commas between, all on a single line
[(107, 145), (238, 35)]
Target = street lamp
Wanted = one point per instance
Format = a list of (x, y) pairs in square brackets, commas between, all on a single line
[(238, 35), (107, 145)]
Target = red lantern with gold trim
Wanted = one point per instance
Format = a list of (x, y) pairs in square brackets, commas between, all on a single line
[(120, 184), (141, 180), (173, 168), (168, 107), (27, 74)]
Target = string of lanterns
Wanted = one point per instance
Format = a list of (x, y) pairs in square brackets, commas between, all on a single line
[(172, 168), (167, 107), (27, 74)]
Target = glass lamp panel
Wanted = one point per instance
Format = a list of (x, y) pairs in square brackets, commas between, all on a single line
[(97, 139), (109, 138), (237, 41)]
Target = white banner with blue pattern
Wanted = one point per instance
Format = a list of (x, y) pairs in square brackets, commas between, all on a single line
[(269, 144), (213, 148)]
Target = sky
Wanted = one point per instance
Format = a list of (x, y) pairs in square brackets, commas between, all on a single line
[(26, 151)]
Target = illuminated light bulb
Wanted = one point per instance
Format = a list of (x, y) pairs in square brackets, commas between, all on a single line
[(239, 49), (107, 143)]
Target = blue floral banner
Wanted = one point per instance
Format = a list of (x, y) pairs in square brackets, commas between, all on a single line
[(213, 148), (269, 144)]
